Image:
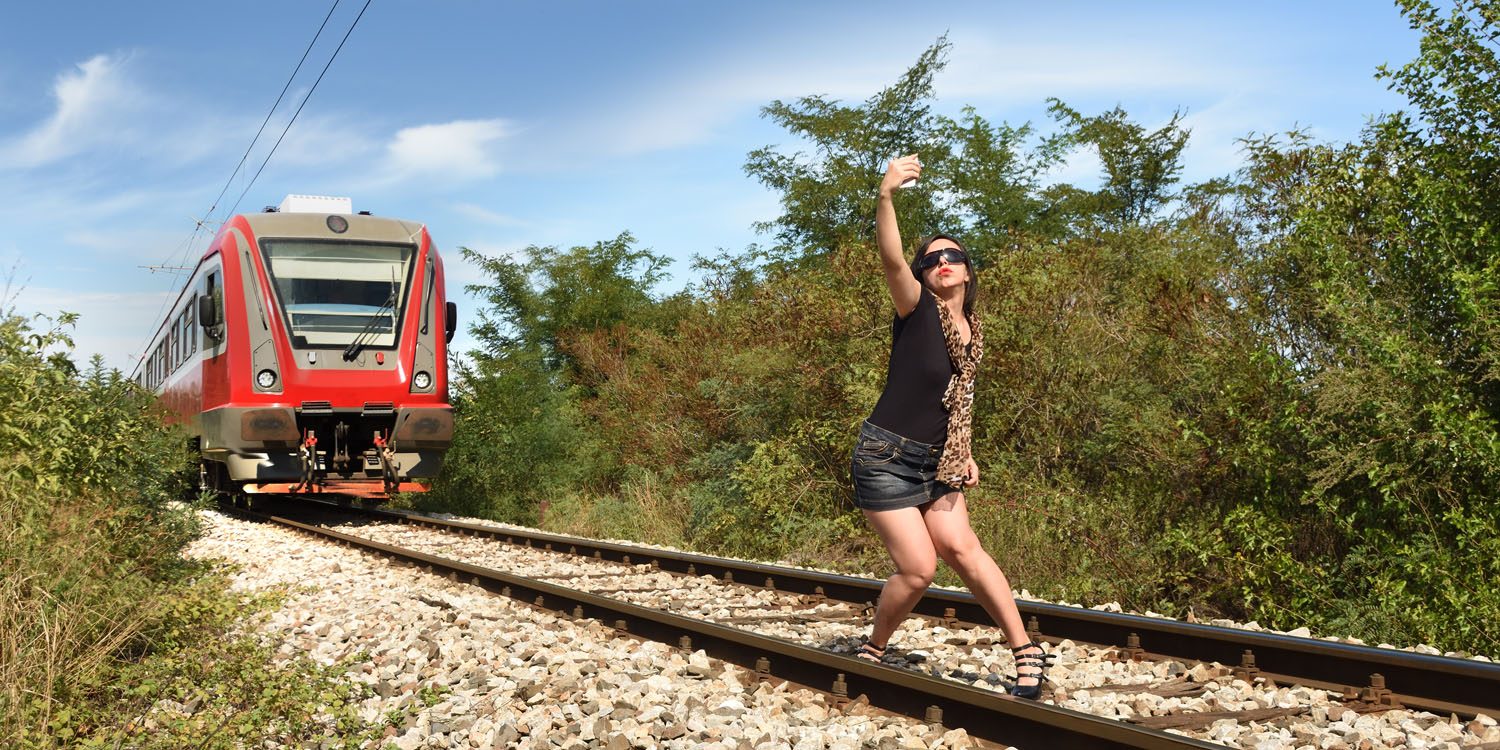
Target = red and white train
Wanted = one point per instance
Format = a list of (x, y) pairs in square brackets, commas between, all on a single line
[(308, 353)]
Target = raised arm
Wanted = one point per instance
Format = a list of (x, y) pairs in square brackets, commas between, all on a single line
[(904, 288)]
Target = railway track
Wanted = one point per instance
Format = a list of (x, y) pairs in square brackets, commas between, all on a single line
[(670, 596)]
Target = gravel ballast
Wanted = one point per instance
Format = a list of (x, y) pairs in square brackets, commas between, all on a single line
[(468, 669)]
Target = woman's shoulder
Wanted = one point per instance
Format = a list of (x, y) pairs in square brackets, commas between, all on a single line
[(925, 301)]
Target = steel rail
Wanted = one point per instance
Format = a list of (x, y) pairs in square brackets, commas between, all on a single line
[(1436, 683), (985, 714)]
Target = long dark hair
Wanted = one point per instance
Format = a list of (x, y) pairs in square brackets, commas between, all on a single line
[(971, 287)]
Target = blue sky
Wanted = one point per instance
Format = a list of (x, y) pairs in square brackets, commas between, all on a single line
[(505, 125)]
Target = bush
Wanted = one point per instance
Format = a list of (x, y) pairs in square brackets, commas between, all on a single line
[(106, 631), (1270, 396)]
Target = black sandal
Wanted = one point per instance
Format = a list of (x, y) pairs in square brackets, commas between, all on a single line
[(1036, 666), (868, 651)]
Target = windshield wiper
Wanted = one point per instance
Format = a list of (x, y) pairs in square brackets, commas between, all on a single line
[(359, 341)]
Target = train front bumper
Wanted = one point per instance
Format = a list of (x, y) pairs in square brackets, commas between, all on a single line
[(260, 443)]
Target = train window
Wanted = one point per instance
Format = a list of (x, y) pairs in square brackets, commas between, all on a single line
[(335, 292), (184, 335), (188, 316), (211, 287)]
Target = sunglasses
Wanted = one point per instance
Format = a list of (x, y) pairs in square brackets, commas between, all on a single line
[(954, 257)]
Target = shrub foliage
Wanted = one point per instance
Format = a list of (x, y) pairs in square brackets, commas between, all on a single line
[(108, 636), (1269, 396)]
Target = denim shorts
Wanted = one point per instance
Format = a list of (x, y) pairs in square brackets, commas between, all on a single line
[(892, 472)]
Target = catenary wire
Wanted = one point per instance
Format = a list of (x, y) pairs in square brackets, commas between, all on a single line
[(181, 255), (245, 157), (186, 247), (292, 121)]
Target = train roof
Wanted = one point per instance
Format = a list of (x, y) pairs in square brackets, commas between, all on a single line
[(360, 227)]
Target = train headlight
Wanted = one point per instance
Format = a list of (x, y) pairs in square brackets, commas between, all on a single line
[(422, 381), (265, 378)]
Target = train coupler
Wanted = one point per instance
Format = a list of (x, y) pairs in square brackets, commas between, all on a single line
[(307, 453), (390, 469)]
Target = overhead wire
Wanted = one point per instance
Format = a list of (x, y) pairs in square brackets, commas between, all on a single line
[(186, 247), (246, 156), (181, 254), (309, 94)]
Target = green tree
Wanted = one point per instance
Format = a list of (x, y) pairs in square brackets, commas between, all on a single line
[(1140, 166), (519, 439), (1271, 395), (1373, 267), (826, 197)]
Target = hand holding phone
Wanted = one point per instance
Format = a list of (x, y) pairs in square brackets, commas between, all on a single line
[(902, 173)]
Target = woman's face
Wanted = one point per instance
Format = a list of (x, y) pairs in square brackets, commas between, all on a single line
[(946, 274)]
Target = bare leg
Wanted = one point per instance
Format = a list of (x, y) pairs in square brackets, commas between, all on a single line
[(947, 520), (905, 537)]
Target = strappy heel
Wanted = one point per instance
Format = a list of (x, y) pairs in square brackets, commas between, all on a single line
[(1035, 666), (868, 651)]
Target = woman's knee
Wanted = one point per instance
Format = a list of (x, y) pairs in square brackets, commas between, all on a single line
[(918, 573), (964, 553)]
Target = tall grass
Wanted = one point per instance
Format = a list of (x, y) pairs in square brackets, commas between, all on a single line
[(89, 540)]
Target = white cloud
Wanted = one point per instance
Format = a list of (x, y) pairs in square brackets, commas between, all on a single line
[(1080, 167), (462, 149), (696, 107), (144, 245), (90, 101), (980, 68), (314, 141), (116, 325), (693, 106), (486, 216)]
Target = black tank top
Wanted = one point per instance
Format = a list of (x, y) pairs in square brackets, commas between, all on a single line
[(918, 373)]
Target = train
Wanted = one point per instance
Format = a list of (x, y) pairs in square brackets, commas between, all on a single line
[(308, 353)]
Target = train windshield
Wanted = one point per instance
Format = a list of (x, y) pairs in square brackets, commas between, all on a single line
[(334, 293)]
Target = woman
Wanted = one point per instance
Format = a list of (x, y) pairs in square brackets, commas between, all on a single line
[(913, 460)]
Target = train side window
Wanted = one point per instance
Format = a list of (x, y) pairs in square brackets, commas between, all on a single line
[(213, 328), (187, 317), (184, 336)]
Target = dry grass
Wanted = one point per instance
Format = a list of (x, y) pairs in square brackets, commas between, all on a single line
[(62, 615)]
